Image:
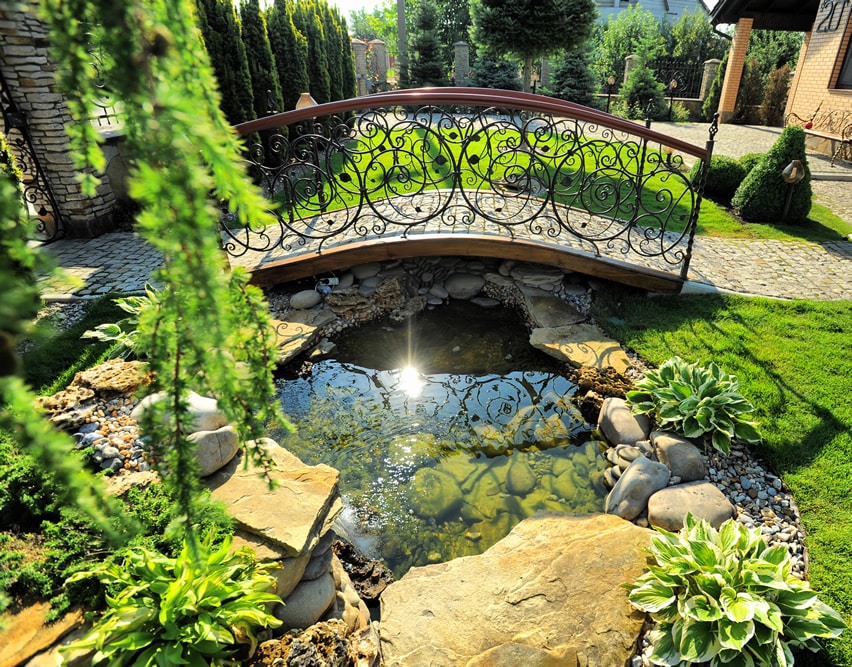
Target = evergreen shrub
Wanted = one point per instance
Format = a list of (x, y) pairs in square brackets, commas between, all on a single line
[(762, 195), (642, 89), (775, 97), (723, 177), (749, 161)]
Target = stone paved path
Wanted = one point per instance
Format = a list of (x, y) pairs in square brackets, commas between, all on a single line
[(122, 262)]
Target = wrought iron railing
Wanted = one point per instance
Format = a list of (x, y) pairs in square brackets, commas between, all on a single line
[(686, 75), (474, 161)]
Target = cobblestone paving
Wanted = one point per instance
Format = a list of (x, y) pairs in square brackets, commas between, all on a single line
[(121, 262)]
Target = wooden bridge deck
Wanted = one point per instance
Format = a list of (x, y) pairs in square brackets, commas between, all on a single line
[(283, 255)]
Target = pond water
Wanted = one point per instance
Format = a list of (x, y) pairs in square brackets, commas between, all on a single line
[(447, 431)]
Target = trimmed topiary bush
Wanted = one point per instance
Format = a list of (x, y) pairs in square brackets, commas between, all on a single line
[(723, 178), (749, 161), (762, 195)]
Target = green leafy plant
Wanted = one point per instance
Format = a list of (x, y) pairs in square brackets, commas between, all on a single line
[(695, 401), (124, 332), (195, 609), (723, 177), (726, 598)]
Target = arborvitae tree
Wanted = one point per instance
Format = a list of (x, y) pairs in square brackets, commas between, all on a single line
[(425, 66), (531, 29), (290, 50), (621, 36), (750, 95), (264, 74), (307, 20), (333, 51), (220, 29), (572, 78), (350, 83)]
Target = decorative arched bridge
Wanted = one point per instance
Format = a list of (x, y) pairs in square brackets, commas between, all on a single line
[(468, 171)]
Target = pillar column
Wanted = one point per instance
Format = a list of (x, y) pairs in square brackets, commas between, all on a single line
[(359, 52), (734, 71), (461, 63), (710, 68)]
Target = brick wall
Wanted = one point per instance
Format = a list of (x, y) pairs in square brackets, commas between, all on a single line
[(818, 69), (30, 74)]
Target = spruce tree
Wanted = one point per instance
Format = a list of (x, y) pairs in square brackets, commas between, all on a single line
[(220, 29), (425, 67), (573, 78), (264, 74), (290, 50)]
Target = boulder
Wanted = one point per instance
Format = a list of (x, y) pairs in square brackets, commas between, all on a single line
[(307, 603), (667, 508), (204, 410), (520, 479), (580, 345), (214, 449), (288, 571), (556, 574), (305, 299), (434, 494), (366, 270), (680, 455), (114, 376), (464, 286), (642, 478), (619, 425)]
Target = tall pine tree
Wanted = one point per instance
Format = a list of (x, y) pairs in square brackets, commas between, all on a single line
[(573, 78), (290, 49), (264, 74), (220, 29)]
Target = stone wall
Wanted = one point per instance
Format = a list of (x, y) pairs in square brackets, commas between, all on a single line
[(30, 73)]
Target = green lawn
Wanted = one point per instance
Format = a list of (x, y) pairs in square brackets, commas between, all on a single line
[(794, 362), (595, 176)]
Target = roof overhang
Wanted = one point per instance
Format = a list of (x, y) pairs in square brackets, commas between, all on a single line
[(791, 15)]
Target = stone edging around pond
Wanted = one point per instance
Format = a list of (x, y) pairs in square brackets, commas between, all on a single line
[(556, 308)]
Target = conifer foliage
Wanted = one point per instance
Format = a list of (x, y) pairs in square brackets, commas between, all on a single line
[(220, 29), (272, 52)]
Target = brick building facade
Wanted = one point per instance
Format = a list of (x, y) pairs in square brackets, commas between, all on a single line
[(823, 77)]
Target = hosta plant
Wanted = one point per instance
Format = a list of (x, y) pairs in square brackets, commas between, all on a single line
[(695, 401), (124, 332), (196, 609), (726, 598)]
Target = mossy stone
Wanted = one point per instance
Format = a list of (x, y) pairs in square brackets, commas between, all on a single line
[(434, 494), (520, 479)]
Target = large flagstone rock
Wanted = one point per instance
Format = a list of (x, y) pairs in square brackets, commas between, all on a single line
[(581, 345), (549, 591), (294, 514), (299, 331)]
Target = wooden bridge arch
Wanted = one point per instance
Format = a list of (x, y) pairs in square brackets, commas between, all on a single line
[(467, 171)]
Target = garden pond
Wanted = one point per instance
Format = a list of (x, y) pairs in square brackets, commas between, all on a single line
[(447, 429)]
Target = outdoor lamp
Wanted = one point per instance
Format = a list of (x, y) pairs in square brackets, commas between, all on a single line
[(305, 100), (793, 172)]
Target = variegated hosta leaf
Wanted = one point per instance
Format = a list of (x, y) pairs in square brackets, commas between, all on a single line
[(726, 598)]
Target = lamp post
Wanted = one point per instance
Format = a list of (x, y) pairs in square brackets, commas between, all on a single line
[(534, 77), (792, 174), (610, 82), (672, 89)]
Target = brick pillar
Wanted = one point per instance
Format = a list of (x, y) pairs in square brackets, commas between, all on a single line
[(546, 72), (30, 74), (734, 71), (461, 63), (710, 68), (359, 50)]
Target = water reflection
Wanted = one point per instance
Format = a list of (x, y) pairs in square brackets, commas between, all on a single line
[(441, 465)]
